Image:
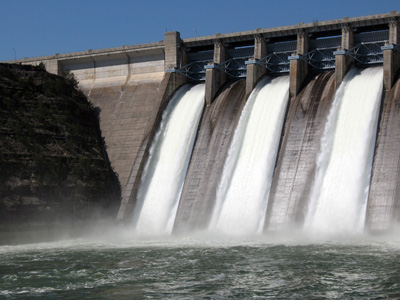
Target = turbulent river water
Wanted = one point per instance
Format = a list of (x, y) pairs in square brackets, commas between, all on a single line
[(202, 268)]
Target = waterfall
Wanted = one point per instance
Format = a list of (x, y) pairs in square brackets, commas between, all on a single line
[(165, 170), (340, 189), (246, 178)]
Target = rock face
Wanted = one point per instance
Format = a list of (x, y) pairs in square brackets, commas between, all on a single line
[(54, 168)]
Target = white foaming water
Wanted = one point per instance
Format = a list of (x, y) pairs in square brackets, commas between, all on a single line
[(340, 190), (242, 194), (165, 171)]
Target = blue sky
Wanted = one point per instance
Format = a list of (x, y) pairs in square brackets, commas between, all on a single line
[(31, 28)]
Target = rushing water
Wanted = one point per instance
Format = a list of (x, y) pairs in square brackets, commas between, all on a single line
[(246, 179), (190, 268), (166, 168), (339, 198), (122, 265)]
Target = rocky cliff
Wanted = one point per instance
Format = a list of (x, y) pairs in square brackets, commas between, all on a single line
[(53, 166)]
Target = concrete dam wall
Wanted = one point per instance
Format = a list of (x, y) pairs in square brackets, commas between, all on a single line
[(130, 86), (124, 90)]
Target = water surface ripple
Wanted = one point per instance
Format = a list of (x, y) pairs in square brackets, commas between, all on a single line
[(150, 270)]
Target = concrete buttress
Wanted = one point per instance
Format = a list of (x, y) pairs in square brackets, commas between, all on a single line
[(343, 61), (254, 70), (298, 67), (215, 75), (391, 55)]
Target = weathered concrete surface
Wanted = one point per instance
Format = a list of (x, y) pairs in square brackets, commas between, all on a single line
[(208, 158), (55, 64), (124, 90), (391, 57), (255, 71), (343, 62), (342, 66), (384, 194), (297, 157), (391, 64), (124, 113), (298, 67), (175, 54), (215, 77)]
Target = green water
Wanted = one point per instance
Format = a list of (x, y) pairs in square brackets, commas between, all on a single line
[(199, 268)]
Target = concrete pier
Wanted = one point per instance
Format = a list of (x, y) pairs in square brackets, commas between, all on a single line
[(215, 75), (254, 70), (52, 66), (391, 54), (175, 55), (298, 67), (343, 61), (175, 58)]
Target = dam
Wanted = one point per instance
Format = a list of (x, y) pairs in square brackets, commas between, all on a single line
[(132, 86)]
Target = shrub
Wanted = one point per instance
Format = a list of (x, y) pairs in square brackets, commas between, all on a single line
[(70, 77), (42, 66)]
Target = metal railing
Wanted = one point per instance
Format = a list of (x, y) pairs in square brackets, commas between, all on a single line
[(194, 71), (321, 58), (367, 53), (364, 53), (276, 62)]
